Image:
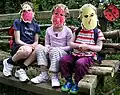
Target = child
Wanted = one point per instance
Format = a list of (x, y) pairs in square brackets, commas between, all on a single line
[(56, 45), (84, 50), (24, 43)]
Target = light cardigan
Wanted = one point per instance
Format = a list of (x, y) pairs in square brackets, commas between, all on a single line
[(58, 39)]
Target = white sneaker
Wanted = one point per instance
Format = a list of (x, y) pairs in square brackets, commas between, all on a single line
[(21, 74), (55, 81), (43, 77), (7, 68)]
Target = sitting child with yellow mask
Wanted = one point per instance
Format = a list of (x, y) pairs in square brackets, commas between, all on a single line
[(84, 49)]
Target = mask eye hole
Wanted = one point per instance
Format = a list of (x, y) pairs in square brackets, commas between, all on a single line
[(56, 13), (86, 16), (23, 10), (61, 14), (29, 10), (92, 15)]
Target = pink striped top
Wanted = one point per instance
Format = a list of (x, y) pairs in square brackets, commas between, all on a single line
[(87, 37)]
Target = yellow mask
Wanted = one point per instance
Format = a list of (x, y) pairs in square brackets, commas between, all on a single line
[(89, 18)]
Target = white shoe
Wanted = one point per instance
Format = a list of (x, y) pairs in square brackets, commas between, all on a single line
[(7, 68), (21, 74), (43, 77), (55, 81)]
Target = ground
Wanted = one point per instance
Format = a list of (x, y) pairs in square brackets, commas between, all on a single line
[(4, 54)]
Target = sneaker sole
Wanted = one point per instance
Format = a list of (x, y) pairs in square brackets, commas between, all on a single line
[(8, 76), (40, 82), (62, 89), (55, 86)]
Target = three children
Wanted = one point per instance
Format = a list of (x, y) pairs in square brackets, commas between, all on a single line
[(58, 42)]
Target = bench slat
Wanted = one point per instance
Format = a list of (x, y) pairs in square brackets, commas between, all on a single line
[(97, 70), (42, 89)]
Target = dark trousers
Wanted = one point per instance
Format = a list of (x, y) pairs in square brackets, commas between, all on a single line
[(78, 65)]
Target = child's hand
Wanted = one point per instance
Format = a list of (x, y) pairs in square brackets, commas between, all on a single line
[(83, 47), (32, 46), (50, 48)]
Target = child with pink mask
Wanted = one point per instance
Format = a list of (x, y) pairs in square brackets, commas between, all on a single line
[(24, 44), (56, 45)]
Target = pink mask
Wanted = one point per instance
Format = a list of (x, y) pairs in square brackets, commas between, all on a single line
[(27, 16), (58, 17)]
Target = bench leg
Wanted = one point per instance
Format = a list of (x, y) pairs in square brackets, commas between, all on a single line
[(101, 80), (88, 84)]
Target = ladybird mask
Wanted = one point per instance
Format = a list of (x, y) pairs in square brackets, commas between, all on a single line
[(89, 18), (58, 17), (27, 14)]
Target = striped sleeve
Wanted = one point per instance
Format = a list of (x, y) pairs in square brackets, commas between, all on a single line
[(100, 36)]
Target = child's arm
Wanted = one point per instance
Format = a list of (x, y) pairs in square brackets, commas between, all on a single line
[(68, 38), (47, 39), (73, 44), (17, 38), (36, 40), (96, 48)]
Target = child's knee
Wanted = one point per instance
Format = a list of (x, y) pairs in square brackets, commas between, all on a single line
[(81, 62), (53, 51), (24, 51)]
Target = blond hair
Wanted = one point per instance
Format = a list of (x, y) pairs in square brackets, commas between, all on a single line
[(86, 6), (64, 7), (28, 3)]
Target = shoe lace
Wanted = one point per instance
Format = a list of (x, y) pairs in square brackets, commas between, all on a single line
[(68, 84), (22, 72), (54, 77), (74, 87), (42, 76)]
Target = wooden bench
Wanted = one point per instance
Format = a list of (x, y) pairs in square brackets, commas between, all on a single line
[(96, 74), (87, 85), (42, 89), (89, 82)]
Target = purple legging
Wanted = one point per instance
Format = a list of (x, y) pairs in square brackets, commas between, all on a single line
[(70, 64)]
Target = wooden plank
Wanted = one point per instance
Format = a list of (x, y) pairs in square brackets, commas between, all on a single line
[(12, 16), (5, 37), (42, 89), (4, 42), (111, 63), (88, 84), (2, 29), (97, 70), (45, 15)]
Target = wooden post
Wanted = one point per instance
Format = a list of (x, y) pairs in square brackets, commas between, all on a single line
[(88, 84)]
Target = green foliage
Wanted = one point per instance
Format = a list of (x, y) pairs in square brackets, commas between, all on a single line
[(113, 56), (32, 72), (13, 6), (72, 4), (111, 86), (42, 33), (72, 21)]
